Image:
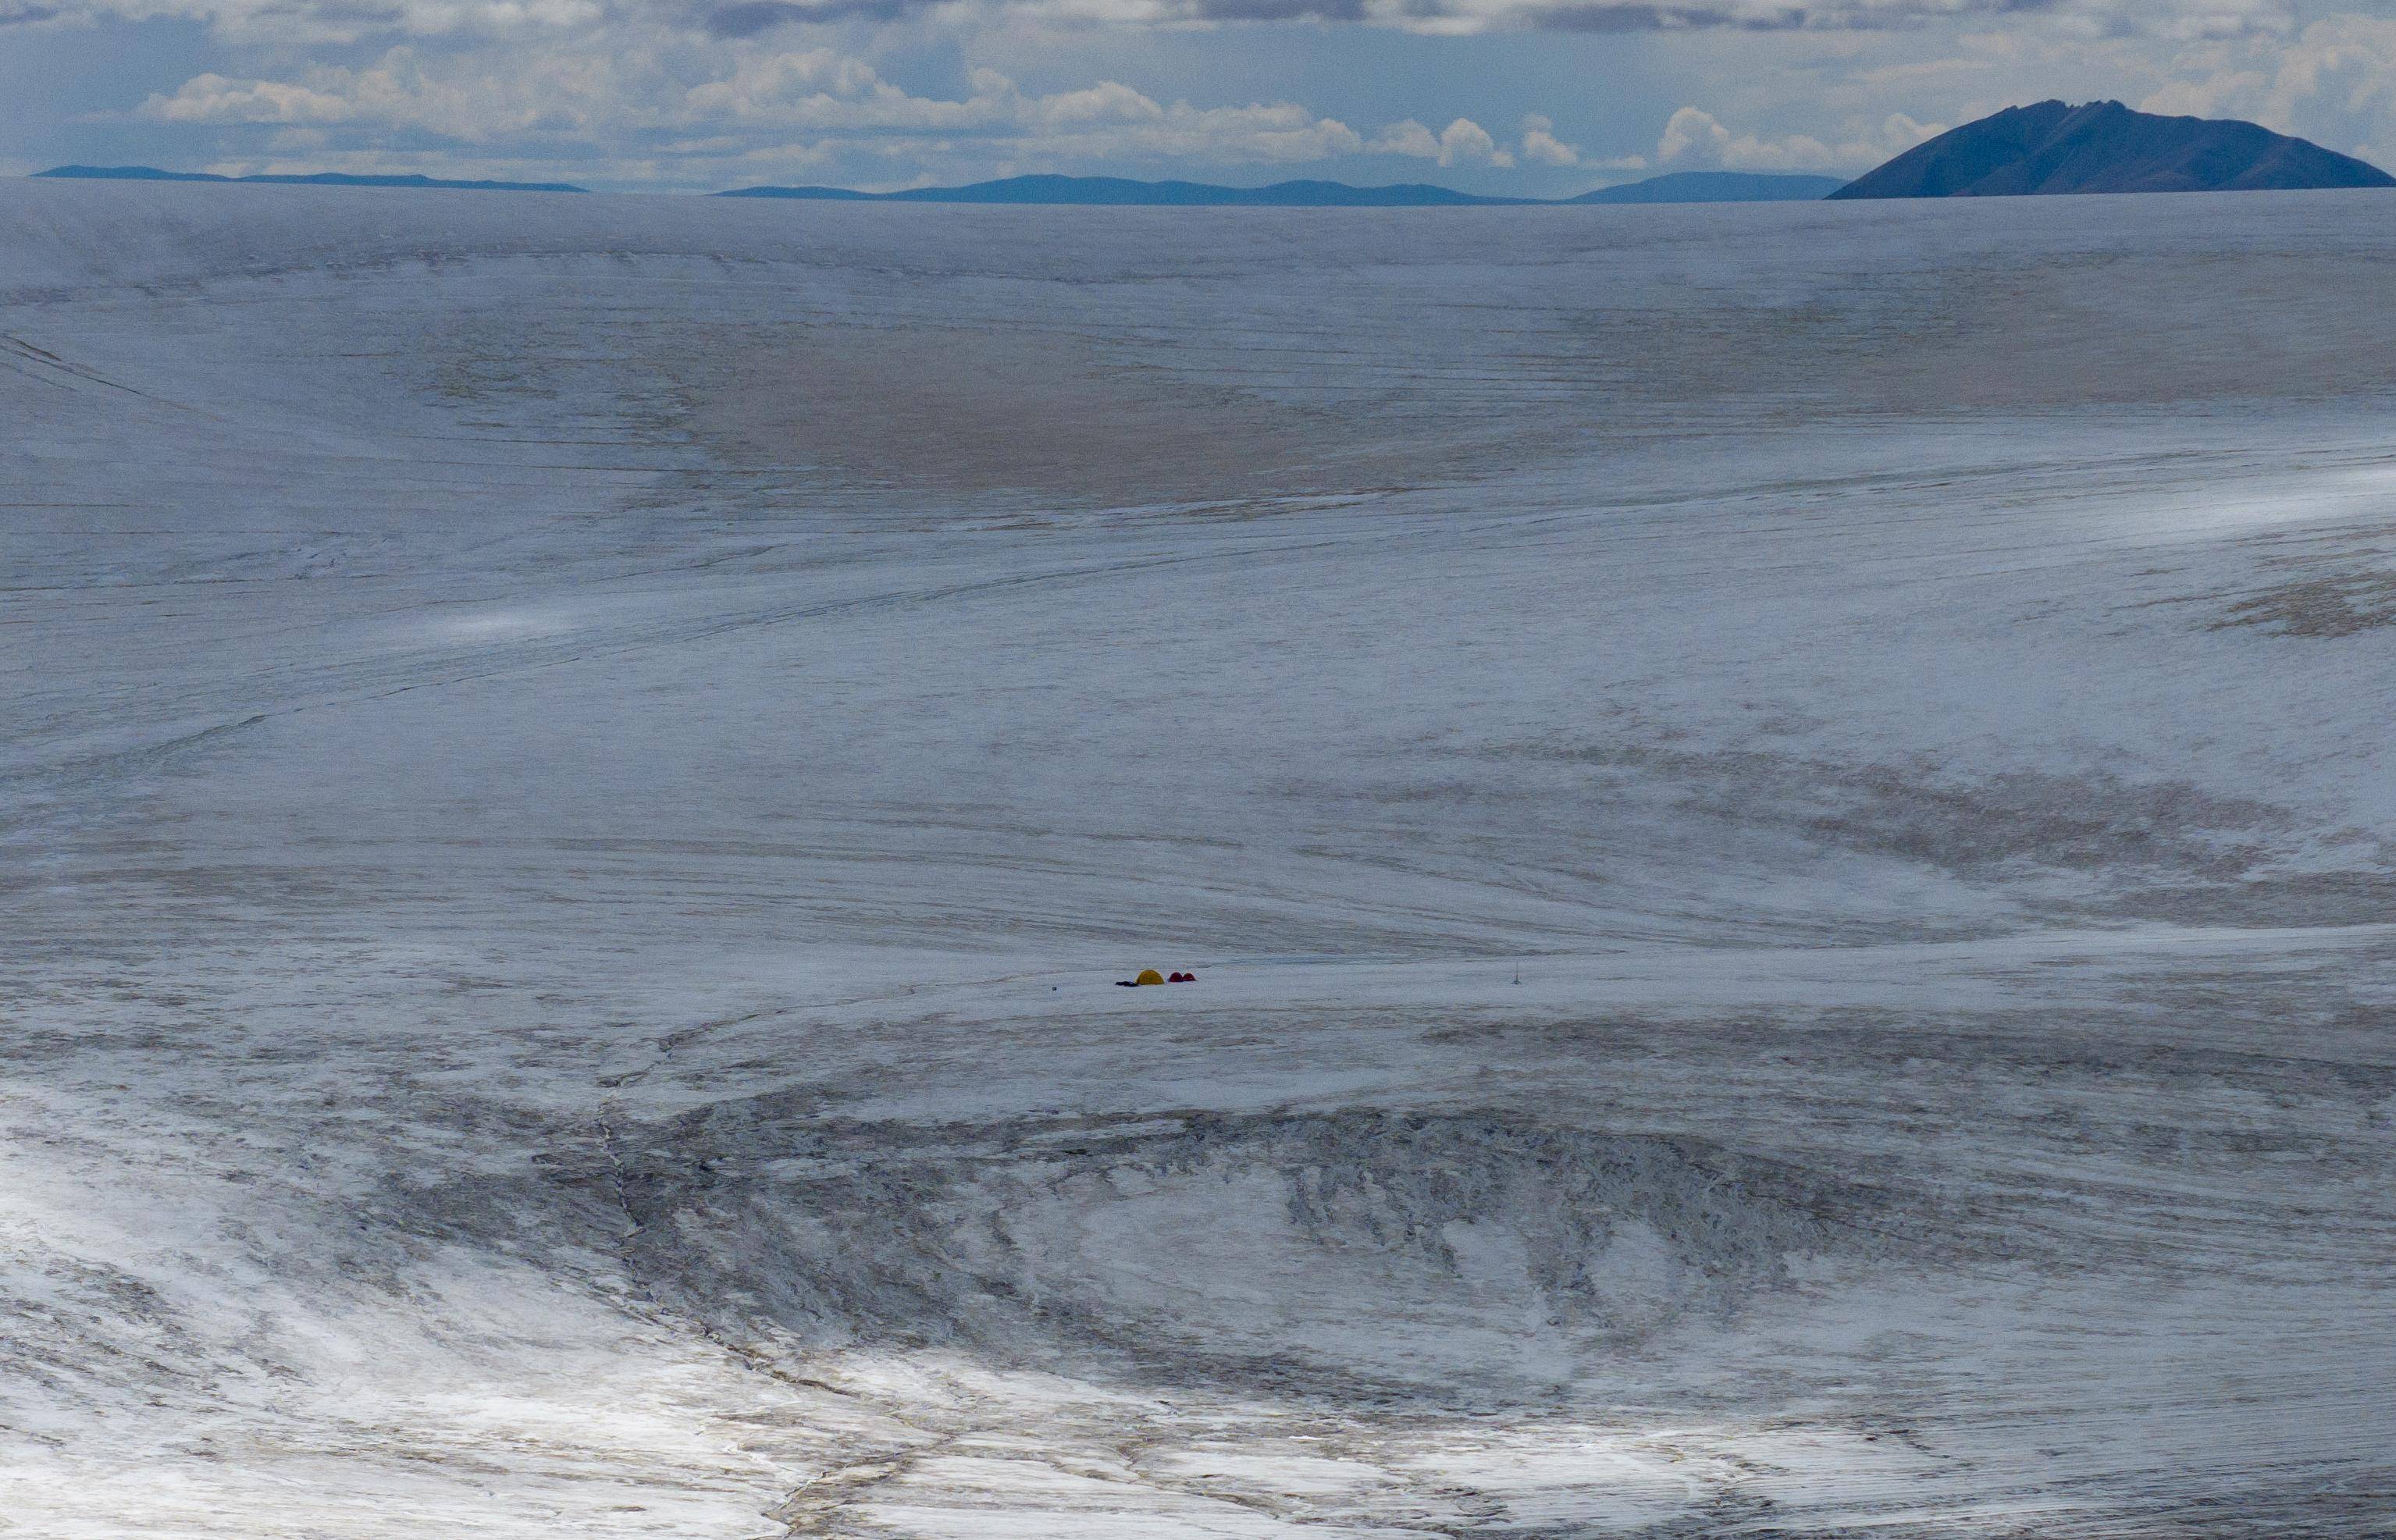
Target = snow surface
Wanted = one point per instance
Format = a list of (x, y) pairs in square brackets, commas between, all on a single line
[(1782, 812)]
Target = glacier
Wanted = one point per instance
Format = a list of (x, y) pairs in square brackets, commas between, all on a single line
[(1781, 812)]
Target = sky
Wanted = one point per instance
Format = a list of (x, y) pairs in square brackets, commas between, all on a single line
[(1541, 98)]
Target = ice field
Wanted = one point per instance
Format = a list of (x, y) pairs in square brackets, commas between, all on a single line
[(1783, 813)]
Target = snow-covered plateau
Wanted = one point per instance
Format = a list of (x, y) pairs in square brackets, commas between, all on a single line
[(1783, 814)]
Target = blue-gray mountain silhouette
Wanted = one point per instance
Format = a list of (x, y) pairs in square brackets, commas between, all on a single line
[(1715, 186), (315, 178), (2105, 147), (1124, 191), (1678, 187)]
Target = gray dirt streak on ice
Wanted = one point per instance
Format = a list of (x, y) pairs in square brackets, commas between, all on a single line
[(1782, 810)]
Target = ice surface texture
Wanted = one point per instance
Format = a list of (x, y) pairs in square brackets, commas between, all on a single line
[(1783, 814)]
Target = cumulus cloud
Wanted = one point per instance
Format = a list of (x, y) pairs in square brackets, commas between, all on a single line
[(1541, 147), (2186, 21), (2217, 96), (2335, 82), (1695, 137), (458, 96), (1462, 142), (213, 99), (800, 92)]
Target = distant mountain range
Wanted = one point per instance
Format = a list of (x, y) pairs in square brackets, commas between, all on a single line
[(2045, 148), (319, 178), (2105, 147), (1673, 188), (1715, 186), (1177, 195), (1677, 187)]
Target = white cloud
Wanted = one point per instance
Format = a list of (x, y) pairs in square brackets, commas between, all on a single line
[(1541, 146), (1462, 142), (213, 99), (759, 96), (2217, 96), (473, 96), (1699, 136), (2335, 83), (1406, 139)]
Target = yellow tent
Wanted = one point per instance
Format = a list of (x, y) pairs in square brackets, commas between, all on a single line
[(1149, 976)]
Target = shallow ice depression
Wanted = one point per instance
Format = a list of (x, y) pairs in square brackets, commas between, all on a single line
[(1364, 1246)]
